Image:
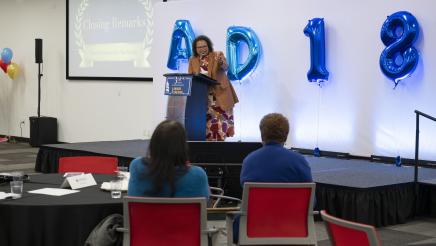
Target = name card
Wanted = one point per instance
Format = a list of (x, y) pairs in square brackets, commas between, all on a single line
[(79, 181)]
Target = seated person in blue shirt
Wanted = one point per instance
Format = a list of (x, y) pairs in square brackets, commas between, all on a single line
[(165, 170), (273, 163)]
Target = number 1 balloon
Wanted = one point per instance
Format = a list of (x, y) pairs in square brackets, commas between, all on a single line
[(315, 31)]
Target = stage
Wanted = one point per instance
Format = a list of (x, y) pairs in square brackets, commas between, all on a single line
[(358, 190)]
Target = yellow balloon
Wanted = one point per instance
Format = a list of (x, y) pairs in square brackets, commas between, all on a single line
[(13, 70)]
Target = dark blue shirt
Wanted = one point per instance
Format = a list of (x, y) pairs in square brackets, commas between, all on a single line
[(274, 163)]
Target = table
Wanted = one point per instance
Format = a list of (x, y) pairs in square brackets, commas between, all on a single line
[(42, 220)]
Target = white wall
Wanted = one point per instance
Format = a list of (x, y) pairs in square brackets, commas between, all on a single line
[(359, 112), (86, 110)]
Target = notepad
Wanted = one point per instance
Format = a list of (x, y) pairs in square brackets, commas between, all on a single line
[(53, 191)]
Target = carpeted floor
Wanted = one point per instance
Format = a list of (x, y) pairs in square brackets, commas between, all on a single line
[(419, 232), (17, 157)]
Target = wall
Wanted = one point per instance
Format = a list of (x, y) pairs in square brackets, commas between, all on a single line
[(357, 110)]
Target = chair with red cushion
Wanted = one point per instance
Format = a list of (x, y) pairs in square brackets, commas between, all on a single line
[(276, 214), (165, 221), (88, 164), (345, 233)]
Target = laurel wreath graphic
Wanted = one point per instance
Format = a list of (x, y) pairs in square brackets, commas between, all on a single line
[(148, 8), (148, 39), (78, 25)]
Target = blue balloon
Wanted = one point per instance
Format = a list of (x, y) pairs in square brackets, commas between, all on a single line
[(399, 59), (398, 161), (6, 55), (182, 30), (315, 31), (316, 152), (236, 35)]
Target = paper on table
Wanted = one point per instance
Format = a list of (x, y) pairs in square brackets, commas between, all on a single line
[(107, 185), (53, 191), (4, 195)]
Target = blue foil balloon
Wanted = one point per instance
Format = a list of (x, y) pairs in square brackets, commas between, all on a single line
[(6, 55), (315, 31), (398, 161), (316, 152), (182, 31), (236, 35), (399, 59)]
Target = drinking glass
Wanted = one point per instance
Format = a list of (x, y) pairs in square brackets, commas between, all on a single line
[(16, 188), (121, 172), (116, 186)]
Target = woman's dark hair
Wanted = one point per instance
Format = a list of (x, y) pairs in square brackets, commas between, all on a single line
[(166, 151), (204, 38)]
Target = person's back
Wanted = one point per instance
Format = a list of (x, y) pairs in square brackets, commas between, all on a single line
[(190, 182), (274, 163), (165, 171)]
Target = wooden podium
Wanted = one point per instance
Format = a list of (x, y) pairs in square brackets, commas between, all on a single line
[(187, 102)]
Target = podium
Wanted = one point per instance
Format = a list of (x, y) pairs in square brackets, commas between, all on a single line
[(188, 102)]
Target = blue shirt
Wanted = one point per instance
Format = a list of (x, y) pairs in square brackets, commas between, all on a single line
[(193, 183), (274, 163)]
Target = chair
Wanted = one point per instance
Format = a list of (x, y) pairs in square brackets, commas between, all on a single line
[(275, 214), (217, 197), (343, 232), (88, 164), (165, 221)]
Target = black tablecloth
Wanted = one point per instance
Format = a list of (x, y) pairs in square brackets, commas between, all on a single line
[(44, 220)]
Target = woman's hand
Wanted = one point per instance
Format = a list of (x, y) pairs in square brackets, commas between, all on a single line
[(221, 60)]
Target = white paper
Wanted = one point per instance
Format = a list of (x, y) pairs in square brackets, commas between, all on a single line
[(4, 195), (107, 185), (53, 191)]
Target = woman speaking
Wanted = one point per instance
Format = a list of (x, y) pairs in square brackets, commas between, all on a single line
[(222, 97)]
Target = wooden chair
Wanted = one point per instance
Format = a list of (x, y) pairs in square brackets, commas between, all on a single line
[(88, 164), (345, 233), (165, 221), (275, 214)]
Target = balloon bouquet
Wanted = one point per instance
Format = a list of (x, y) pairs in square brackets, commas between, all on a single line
[(10, 68)]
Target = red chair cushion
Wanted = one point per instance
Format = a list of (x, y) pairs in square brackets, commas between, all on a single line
[(164, 224), (343, 236), (278, 212)]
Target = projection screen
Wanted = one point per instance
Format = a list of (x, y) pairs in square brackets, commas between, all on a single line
[(109, 39)]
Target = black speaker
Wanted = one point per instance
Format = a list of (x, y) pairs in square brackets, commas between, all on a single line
[(38, 50), (43, 130)]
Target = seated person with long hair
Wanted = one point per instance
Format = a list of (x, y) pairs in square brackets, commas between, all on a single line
[(165, 170)]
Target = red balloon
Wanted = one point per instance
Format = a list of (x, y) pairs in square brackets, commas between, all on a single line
[(4, 66)]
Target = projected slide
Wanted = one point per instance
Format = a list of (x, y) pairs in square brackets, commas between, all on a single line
[(109, 39)]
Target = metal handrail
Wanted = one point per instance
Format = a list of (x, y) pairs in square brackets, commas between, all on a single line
[(418, 113)]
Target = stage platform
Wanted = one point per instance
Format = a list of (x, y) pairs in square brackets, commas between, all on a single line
[(358, 190)]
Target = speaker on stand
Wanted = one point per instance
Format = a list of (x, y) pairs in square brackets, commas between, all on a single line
[(43, 130)]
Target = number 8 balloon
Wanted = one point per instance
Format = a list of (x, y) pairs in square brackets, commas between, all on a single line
[(399, 59)]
